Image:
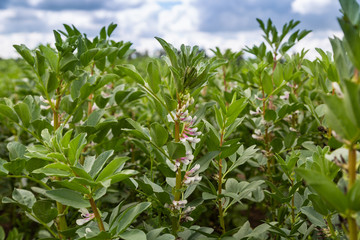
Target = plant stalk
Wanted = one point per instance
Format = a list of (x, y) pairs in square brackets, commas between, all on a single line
[(97, 215), (331, 226), (353, 229), (61, 220), (178, 184), (292, 204), (221, 211)]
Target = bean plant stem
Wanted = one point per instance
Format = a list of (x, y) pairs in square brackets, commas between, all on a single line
[(224, 77), (292, 204), (44, 224), (30, 178), (61, 220), (353, 229), (331, 226), (178, 184), (97, 215), (221, 211)]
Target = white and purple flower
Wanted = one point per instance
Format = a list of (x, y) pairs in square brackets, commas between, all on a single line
[(190, 176), (86, 216)]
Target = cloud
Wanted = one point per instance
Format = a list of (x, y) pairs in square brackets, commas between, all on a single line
[(312, 6), (207, 23)]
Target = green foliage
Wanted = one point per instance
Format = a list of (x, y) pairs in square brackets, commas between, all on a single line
[(183, 146)]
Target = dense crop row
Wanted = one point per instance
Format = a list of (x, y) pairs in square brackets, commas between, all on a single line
[(98, 145)]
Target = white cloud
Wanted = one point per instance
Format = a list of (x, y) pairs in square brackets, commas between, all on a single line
[(31, 40), (310, 6), (177, 21)]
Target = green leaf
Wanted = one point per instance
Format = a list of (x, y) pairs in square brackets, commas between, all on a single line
[(67, 62), (111, 28), (44, 211), (337, 118), (326, 189), (227, 151), (2, 233), (75, 148), (15, 166), (352, 101), (267, 83), (270, 115), (68, 197), (154, 77), (124, 220), (232, 127), (351, 38), (278, 75), (16, 150), (144, 132), (158, 134), (51, 57), (176, 150), (205, 160), (25, 53), (23, 112), (343, 64), (100, 162), (53, 172), (3, 171), (169, 51), (133, 234), (88, 56), (72, 185), (24, 197), (111, 168), (80, 172), (353, 196), (314, 217), (9, 113), (131, 71), (120, 176), (234, 110)]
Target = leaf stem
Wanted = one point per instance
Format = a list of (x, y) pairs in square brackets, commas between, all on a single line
[(44, 224), (178, 184), (221, 211), (97, 215), (353, 229), (30, 178)]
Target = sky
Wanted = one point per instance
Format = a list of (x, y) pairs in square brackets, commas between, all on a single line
[(206, 23)]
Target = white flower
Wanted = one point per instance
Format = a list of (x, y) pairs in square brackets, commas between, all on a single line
[(189, 177), (178, 204), (337, 89), (185, 160), (285, 96), (86, 216), (190, 180), (292, 129), (257, 135), (257, 112)]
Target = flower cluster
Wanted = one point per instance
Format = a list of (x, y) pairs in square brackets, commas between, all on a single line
[(285, 96), (185, 160), (190, 178), (86, 216), (185, 216), (257, 112), (257, 135), (176, 205), (190, 133)]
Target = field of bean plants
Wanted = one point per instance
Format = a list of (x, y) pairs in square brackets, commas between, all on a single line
[(100, 142)]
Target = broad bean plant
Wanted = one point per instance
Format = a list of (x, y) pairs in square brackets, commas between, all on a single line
[(100, 142)]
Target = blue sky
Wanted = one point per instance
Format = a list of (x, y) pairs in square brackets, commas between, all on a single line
[(207, 23)]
